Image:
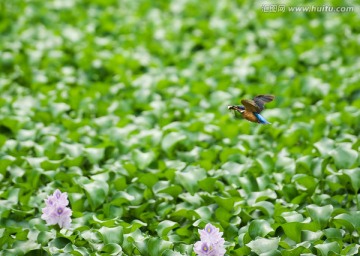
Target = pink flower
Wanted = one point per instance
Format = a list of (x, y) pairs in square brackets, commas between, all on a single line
[(55, 211), (211, 244)]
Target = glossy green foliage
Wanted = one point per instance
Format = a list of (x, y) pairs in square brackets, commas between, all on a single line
[(123, 105)]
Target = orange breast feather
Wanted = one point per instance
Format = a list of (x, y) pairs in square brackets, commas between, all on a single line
[(250, 116)]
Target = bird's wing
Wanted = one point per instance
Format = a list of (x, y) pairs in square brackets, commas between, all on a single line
[(260, 100), (251, 106)]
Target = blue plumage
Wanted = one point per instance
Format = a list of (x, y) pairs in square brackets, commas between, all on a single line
[(261, 119)]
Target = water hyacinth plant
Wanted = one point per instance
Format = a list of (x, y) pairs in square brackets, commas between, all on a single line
[(123, 105), (211, 242), (56, 210)]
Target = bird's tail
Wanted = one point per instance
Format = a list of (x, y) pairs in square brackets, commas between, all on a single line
[(261, 119)]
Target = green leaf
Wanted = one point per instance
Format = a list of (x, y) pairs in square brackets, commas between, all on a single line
[(44, 237), (305, 183), (352, 249), (112, 249), (266, 162), (112, 235), (37, 252), (307, 235), (354, 176), (189, 178), (207, 184), (293, 230), (259, 228), (325, 248), (344, 156), (170, 140), (142, 159), (96, 192), (169, 252), (5, 162), (334, 233), (350, 221), (165, 226), (94, 154), (324, 145), (266, 207), (223, 216), (72, 150), (152, 246), (320, 214), (225, 202), (264, 245), (292, 217), (298, 250), (60, 242)]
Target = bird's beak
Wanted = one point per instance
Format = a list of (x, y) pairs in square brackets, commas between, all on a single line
[(236, 108)]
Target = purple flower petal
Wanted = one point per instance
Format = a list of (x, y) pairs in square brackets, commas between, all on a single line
[(56, 211), (203, 248), (60, 198), (212, 234), (211, 244)]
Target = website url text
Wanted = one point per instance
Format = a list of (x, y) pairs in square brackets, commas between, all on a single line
[(323, 8)]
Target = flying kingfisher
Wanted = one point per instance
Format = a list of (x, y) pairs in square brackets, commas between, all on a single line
[(252, 108)]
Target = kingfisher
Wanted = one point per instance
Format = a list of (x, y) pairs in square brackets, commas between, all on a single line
[(251, 108)]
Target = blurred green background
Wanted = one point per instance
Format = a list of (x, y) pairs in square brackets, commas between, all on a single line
[(123, 105)]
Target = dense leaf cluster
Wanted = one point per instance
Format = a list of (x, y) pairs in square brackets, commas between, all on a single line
[(123, 105)]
